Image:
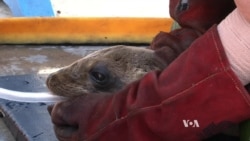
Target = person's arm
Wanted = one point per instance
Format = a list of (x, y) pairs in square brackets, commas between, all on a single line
[(243, 6), (234, 33), (196, 97)]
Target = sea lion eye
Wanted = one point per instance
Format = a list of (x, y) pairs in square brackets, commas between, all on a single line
[(100, 76)]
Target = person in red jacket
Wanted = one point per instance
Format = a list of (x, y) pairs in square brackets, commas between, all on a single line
[(200, 94)]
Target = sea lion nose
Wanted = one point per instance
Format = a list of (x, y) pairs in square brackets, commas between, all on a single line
[(51, 80)]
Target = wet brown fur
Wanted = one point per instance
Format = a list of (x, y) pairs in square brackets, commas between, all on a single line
[(124, 64)]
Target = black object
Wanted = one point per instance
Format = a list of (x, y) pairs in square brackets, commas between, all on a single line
[(27, 121)]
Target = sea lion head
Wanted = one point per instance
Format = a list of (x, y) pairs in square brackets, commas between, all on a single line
[(104, 71)]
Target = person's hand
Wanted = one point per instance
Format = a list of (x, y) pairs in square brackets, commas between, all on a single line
[(77, 118), (168, 46), (244, 8)]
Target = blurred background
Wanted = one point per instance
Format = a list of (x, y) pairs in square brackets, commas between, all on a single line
[(88, 8)]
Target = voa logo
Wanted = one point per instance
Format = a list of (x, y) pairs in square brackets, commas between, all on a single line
[(191, 123)]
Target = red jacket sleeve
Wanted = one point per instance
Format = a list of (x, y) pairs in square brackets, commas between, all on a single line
[(196, 97)]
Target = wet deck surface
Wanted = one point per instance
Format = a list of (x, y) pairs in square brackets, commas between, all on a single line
[(41, 59)]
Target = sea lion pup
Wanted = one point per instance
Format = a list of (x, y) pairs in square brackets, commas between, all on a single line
[(104, 71)]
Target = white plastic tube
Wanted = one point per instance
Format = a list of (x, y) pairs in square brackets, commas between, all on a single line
[(31, 97)]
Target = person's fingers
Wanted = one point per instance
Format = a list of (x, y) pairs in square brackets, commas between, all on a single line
[(65, 119)]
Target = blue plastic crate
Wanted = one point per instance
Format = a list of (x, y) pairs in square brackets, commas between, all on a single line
[(30, 8)]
